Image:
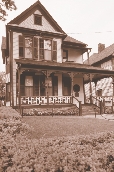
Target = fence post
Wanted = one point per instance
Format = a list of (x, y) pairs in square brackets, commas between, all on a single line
[(72, 99), (80, 108), (101, 106)]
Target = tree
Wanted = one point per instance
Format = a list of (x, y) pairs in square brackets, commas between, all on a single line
[(4, 6), (2, 83)]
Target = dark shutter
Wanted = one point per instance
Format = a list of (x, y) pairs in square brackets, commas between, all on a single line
[(21, 46), (54, 50), (35, 48)]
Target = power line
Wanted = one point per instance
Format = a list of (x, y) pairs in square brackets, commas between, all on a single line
[(89, 32)]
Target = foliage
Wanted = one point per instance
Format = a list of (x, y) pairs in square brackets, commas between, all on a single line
[(4, 6), (50, 112), (90, 153), (2, 83)]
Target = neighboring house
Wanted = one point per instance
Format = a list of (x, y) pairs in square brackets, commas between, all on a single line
[(44, 66), (104, 59)]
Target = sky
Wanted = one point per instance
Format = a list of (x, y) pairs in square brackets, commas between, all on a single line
[(89, 21)]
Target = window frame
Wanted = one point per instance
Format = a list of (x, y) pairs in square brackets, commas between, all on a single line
[(40, 16), (65, 57), (32, 48), (40, 48)]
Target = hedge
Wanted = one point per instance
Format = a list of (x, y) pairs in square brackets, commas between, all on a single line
[(18, 153)]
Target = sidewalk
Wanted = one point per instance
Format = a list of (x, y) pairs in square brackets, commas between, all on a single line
[(109, 117)]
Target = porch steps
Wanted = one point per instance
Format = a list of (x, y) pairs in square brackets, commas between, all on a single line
[(90, 109)]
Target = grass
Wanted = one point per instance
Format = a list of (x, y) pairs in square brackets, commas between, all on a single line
[(59, 126)]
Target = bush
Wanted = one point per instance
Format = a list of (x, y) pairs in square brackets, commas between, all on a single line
[(48, 112), (94, 153)]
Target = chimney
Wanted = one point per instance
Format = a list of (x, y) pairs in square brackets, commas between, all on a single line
[(101, 47)]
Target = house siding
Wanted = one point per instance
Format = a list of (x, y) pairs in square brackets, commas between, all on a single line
[(105, 84), (29, 23), (59, 50), (79, 80), (15, 56), (74, 55)]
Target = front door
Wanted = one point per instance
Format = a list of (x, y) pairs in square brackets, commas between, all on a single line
[(66, 86), (39, 85)]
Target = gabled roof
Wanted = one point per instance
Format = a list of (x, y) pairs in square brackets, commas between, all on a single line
[(72, 40), (3, 45), (29, 11), (96, 57)]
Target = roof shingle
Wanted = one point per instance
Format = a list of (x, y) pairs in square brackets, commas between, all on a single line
[(96, 57)]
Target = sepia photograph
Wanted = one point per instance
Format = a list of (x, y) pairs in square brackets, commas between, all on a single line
[(56, 86)]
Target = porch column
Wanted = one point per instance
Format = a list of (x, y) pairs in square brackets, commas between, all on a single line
[(90, 78), (59, 84), (19, 90), (112, 93), (95, 88)]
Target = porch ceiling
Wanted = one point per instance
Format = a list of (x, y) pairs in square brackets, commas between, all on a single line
[(97, 73), (96, 77)]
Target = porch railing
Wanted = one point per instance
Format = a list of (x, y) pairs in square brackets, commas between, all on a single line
[(98, 103), (78, 104), (45, 100)]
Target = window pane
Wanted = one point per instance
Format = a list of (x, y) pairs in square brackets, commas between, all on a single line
[(28, 42), (20, 41), (28, 81), (47, 44), (41, 54), (54, 45), (41, 43), (35, 53), (54, 55), (28, 52), (37, 19)]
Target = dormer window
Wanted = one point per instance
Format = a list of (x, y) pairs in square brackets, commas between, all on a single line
[(37, 19)]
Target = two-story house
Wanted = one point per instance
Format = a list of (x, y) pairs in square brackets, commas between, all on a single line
[(44, 66), (102, 88)]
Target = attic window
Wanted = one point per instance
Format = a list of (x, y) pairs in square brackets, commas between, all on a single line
[(37, 19)]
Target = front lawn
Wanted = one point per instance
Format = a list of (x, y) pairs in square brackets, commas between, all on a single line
[(47, 126), (78, 152)]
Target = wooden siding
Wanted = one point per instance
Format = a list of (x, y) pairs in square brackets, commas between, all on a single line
[(15, 56), (107, 65), (29, 23), (75, 55), (105, 84), (78, 79), (59, 50)]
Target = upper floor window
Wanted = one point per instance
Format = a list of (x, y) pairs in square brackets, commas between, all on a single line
[(65, 55), (37, 19), (28, 47), (32, 47)]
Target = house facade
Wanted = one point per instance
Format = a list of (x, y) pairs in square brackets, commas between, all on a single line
[(44, 66), (102, 88)]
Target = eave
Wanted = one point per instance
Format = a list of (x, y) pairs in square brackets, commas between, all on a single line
[(75, 46), (66, 66), (34, 31)]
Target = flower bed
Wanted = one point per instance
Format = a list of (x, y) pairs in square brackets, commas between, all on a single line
[(93, 153), (50, 112)]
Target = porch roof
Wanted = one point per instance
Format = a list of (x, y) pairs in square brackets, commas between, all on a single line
[(66, 66)]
